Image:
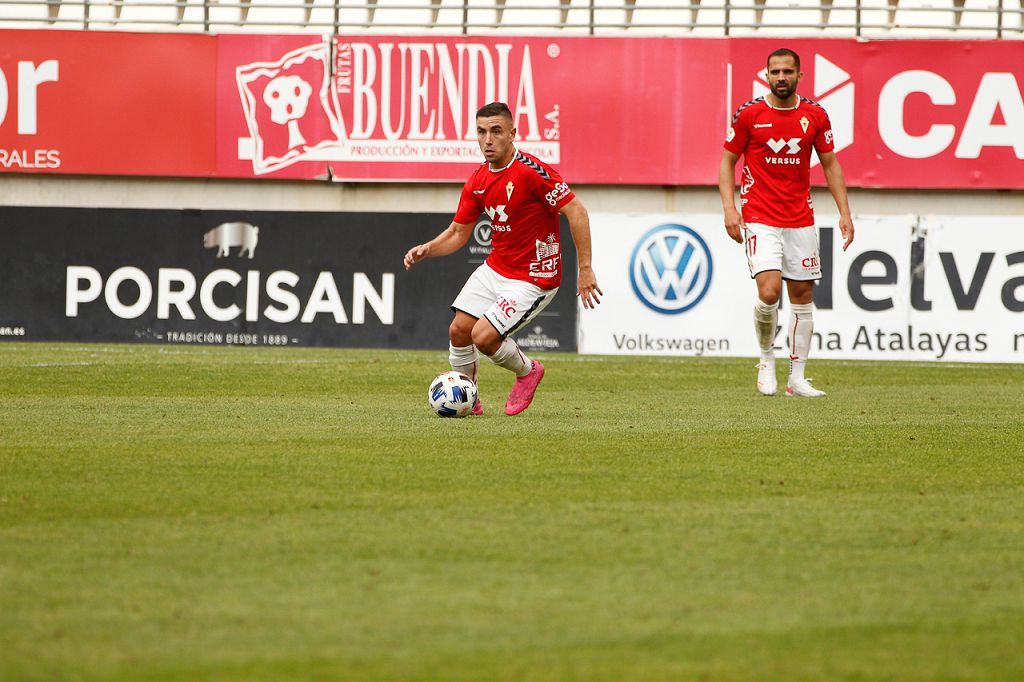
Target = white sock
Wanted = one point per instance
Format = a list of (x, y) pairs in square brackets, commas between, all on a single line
[(801, 325), (766, 320), (511, 358), (464, 359)]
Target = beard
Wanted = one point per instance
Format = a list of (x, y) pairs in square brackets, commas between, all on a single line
[(782, 91)]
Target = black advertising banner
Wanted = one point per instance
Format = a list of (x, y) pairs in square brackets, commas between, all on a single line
[(244, 278)]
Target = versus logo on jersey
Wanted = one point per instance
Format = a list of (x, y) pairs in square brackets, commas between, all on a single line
[(792, 147), (498, 211), (777, 145), (833, 89), (670, 269)]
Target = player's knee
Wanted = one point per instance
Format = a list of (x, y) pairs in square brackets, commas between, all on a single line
[(460, 335), (769, 294), (801, 293), (486, 338)]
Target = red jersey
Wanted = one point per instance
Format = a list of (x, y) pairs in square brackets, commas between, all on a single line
[(522, 201), (776, 148)]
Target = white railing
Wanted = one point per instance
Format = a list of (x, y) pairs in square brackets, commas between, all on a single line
[(869, 18)]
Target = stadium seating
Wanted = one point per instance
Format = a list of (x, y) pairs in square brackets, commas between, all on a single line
[(610, 16), (662, 17), (793, 17), (35, 15), (401, 16), (876, 18), (923, 17), (531, 16), (278, 16), (979, 19), (711, 18), (228, 16), (102, 15), (350, 19), (452, 14), (153, 15)]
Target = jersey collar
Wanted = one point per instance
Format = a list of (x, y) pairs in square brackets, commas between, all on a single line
[(795, 106), (515, 153)]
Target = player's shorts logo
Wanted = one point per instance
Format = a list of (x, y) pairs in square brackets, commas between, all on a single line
[(670, 269)]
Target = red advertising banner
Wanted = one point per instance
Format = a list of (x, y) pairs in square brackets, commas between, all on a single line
[(604, 110), (905, 114), (107, 103), (909, 113), (276, 111)]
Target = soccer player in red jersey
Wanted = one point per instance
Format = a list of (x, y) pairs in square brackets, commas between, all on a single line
[(522, 196), (775, 134)]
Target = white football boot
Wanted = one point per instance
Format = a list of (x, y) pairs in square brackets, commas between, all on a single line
[(767, 384), (801, 388)]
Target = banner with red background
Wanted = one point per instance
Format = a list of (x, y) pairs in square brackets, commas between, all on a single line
[(107, 103), (905, 114)]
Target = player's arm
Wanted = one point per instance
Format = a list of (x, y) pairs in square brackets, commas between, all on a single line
[(449, 241), (727, 189), (837, 186), (579, 224)]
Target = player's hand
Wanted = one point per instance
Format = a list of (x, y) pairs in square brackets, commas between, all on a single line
[(587, 289), (734, 225), (415, 255), (846, 229)]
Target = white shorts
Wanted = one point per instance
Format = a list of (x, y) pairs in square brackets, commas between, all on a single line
[(793, 250), (508, 304)]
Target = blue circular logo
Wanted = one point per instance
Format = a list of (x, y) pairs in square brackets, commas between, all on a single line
[(670, 269)]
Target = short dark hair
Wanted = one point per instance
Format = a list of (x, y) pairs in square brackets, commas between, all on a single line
[(786, 52), (494, 109)]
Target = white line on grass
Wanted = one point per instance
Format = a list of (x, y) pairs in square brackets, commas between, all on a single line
[(60, 364)]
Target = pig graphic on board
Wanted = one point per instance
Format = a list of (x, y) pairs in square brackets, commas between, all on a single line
[(226, 235)]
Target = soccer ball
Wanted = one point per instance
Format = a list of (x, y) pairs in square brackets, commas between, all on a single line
[(452, 394)]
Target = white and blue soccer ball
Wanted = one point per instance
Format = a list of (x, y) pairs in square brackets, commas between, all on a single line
[(452, 394)]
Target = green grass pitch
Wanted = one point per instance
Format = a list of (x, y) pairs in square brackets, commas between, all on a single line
[(262, 514)]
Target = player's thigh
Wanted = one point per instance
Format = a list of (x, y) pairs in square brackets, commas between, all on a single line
[(460, 332), (763, 244), (769, 286), (478, 293), (801, 260), (516, 305)]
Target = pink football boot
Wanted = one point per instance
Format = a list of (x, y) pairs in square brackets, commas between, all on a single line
[(524, 388)]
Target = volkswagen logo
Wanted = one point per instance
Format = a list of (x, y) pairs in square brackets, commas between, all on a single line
[(670, 269), (482, 233)]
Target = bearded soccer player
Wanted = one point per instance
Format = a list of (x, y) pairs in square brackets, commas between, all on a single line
[(523, 197), (775, 134)]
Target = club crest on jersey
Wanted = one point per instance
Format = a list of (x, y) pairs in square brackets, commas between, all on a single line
[(804, 123), (509, 188)]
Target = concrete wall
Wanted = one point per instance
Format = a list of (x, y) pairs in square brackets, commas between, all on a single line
[(110, 192)]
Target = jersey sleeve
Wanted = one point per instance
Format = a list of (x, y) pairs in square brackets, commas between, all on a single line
[(739, 134), (823, 141), (552, 189), (469, 205)]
